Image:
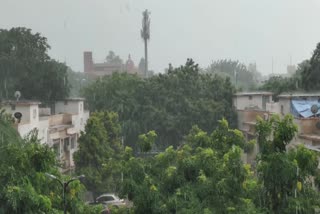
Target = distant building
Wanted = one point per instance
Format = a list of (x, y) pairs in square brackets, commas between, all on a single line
[(105, 68), (305, 108), (252, 100), (59, 127), (300, 106), (291, 70), (250, 105)]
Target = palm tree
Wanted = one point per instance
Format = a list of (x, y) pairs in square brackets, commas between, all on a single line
[(145, 35)]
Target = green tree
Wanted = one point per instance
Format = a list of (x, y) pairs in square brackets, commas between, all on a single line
[(170, 104), (146, 141), (310, 74), (26, 66), (198, 177), (78, 81), (238, 73), (280, 171), (112, 58), (99, 152), (279, 84), (24, 187)]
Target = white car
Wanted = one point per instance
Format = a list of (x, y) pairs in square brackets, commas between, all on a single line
[(111, 199)]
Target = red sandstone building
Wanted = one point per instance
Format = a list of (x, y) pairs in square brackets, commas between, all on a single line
[(105, 68)]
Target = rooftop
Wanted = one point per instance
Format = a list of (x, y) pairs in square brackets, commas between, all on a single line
[(315, 94), (253, 93), (20, 102), (73, 99)]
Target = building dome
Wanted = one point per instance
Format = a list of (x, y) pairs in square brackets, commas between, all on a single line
[(129, 64)]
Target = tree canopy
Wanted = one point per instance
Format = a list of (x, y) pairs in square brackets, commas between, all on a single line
[(170, 104), (99, 152), (205, 175), (244, 77), (310, 75), (26, 66), (286, 176), (112, 58), (24, 187)]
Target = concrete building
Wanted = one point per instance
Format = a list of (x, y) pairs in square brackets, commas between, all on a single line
[(299, 105), (250, 105), (252, 100), (59, 130)]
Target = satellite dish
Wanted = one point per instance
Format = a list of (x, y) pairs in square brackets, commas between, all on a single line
[(18, 116), (17, 95), (314, 109)]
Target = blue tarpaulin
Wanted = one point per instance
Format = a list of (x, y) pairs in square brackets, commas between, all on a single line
[(302, 108)]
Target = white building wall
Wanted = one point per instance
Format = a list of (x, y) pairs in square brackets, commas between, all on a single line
[(43, 134), (34, 114), (25, 129), (284, 106), (24, 110), (273, 107), (31, 120), (79, 121), (245, 101), (71, 107)]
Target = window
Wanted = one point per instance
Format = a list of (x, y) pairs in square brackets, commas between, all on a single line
[(73, 142), (80, 107), (282, 110), (250, 97)]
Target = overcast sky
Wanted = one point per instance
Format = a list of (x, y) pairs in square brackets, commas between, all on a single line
[(205, 30)]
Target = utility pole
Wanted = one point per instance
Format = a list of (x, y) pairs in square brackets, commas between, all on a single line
[(145, 35)]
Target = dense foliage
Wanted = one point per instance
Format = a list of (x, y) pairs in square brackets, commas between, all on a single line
[(25, 66), (279, 84), (205, 175), (242, 76), (310, 76), (78, 81), (286, 176), (99, 152), (168, 103), (24, 186)]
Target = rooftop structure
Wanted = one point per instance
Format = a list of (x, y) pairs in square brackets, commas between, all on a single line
[(252, 100), (299, 95), (253, 93)]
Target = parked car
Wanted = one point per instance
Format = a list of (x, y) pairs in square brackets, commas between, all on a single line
[(105, 209), (112, 200)]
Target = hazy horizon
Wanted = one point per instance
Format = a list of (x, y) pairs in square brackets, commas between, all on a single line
[(207, 30)]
